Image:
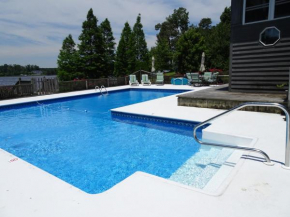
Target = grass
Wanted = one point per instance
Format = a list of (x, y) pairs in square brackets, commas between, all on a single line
[(169, 74)]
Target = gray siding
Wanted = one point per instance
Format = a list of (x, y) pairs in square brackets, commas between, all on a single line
[(254, 67)]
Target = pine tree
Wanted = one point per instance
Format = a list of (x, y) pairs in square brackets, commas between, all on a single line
[(139, 44), (109, 45), (67, 59), (123, 65), (189, 49), (162, 55), (91, 48)]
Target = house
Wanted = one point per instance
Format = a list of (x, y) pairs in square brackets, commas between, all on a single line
[(260, 46)]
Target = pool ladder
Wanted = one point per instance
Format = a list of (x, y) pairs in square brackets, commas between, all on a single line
[(252, 104), (101, 89)]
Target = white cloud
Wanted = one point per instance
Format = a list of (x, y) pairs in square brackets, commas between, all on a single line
[(38, 27)]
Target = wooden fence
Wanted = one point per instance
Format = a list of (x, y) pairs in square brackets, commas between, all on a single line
[(13, 91), (44, 86)]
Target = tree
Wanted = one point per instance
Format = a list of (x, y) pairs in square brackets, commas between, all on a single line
[(205, 23), (218, 42), (174, 26), (67, 59), (171, 29), (139, 44), (189, 49), (91, 48), (109, 44), (124, 58), (162, 55)]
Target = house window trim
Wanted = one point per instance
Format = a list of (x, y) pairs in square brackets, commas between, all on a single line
[(271, 13), (268, 45)]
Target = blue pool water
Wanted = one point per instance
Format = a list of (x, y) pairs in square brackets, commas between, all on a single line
[(80, 142)]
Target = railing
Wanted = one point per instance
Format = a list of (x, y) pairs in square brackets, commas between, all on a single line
[(254, 104), (103, 87), (98, 88)]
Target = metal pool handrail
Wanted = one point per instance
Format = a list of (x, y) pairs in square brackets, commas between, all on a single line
[(253, 104), (103, 87)]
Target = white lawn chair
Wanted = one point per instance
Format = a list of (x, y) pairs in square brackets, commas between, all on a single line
[(160, 78), (145, 80), (133, 80)]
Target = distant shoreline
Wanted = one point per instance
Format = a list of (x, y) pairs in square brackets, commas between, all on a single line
[(11, 80)]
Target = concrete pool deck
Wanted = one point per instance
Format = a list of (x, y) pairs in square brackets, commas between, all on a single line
[(252, 189)]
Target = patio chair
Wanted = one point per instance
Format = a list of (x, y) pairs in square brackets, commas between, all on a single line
[(195, 80), (133, 80), (188, 75), (145, 80), (160, 78), (207, 76), (213, 78)]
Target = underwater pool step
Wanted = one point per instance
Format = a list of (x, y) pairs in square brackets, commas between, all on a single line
[(199, 169)]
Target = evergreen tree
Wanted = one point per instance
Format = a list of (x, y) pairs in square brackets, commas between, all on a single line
[(91, 48), (174, 26), (109, 44), (218, 42), (67, 59), (189, 49), (171, 29), (140, 46), (162, 55), (124, 58)]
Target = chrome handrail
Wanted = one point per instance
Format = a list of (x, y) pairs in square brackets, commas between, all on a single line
[(253, 104), (98, 88), (105, 89)]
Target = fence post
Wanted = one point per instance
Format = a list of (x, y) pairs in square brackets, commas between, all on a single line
[(108, 81), (86, 84), (19, 83)]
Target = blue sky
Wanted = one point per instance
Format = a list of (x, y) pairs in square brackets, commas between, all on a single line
[(32, 31)]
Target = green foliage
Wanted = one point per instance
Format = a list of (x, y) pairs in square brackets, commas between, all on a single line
[(172, 28), (15, 69), (189, 49), (66, 76), (138, 43), (226, 16), (218, 43), (205, 23), (163, 56), (109, 44), (124, 59), (67, 58), (91, 48), (170, 31)]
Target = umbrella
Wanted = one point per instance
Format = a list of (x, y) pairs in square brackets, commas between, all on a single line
[(202, 68)]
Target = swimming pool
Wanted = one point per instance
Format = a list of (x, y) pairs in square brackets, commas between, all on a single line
[(77, 140)]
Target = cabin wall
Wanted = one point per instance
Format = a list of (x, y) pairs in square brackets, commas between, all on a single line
[(254, 67)]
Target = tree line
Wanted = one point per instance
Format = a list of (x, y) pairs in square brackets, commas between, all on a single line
[(180, 45), (178, 48), (95, 55), (16, 70)]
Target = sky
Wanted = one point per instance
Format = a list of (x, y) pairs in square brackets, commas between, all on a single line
[(32, 31)]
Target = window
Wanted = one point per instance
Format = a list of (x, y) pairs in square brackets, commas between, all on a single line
[(282, 8), (256, 10), (262, 10), (270, 36)]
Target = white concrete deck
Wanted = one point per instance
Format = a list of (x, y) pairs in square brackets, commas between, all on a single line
[(252, 189)]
